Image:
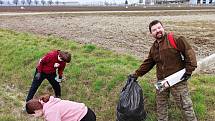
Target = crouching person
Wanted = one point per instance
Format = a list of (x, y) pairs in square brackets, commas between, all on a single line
[(55, 109)]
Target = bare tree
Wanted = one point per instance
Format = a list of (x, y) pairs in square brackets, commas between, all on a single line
[(29, 2), (36, 2), (1, 2), (23, 2), (106, 3), (57, 2), (126, 2), (43, 2), (15, 2), (50, 2)]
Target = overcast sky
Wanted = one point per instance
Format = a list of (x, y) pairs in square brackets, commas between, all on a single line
[(93, 1), (96, 1), (117, 1)]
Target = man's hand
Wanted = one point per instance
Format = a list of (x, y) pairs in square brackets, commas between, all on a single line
[(37, 76), (132, 76), (185, 77)]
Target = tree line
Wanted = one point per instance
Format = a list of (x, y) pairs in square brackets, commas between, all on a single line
[(31, 2)]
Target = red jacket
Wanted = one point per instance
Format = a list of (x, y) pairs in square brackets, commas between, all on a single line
[(46, 64)]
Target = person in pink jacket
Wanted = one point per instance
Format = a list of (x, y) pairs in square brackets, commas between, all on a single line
[(55, 109)]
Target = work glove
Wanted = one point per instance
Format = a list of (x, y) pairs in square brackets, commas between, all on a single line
[(185, 77), (56, 65), (59, 79), (132, 76), (37, 76)]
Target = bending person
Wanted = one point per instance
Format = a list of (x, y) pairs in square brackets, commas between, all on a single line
[(55, 109), (46, 69)]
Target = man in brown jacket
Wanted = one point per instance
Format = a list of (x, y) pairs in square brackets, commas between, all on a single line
[(169, 60)]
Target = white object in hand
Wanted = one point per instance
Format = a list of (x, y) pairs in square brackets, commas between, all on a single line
[(57, 79), (56, 65), (169, 81)]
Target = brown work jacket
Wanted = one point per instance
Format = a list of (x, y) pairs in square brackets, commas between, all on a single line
[(168, 59)]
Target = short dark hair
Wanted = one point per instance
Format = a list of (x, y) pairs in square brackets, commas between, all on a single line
[(153, 23), (33, 105), (66, 56)]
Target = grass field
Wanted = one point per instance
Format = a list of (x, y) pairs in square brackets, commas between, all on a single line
[(95, 77)]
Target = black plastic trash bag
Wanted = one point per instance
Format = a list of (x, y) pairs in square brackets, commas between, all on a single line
[(131, 103)]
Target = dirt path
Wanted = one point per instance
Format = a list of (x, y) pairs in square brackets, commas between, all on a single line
[(123, 32)]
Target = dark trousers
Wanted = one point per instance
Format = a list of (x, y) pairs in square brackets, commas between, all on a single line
[(37, 82), (90, 116)]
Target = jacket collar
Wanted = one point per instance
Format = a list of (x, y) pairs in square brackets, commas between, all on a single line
[(156, 43)]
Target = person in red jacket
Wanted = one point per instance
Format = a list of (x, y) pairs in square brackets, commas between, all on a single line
[(52, 63)]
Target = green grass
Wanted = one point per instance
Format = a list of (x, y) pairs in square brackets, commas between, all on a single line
[(7, 118), (95, 77)]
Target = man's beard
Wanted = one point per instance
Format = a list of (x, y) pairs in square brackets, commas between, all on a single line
[(159, 37)]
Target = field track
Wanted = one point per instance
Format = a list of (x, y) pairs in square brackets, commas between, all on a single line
[(88, 8)]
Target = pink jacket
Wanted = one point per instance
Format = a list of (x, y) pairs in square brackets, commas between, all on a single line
[(63, 110)]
